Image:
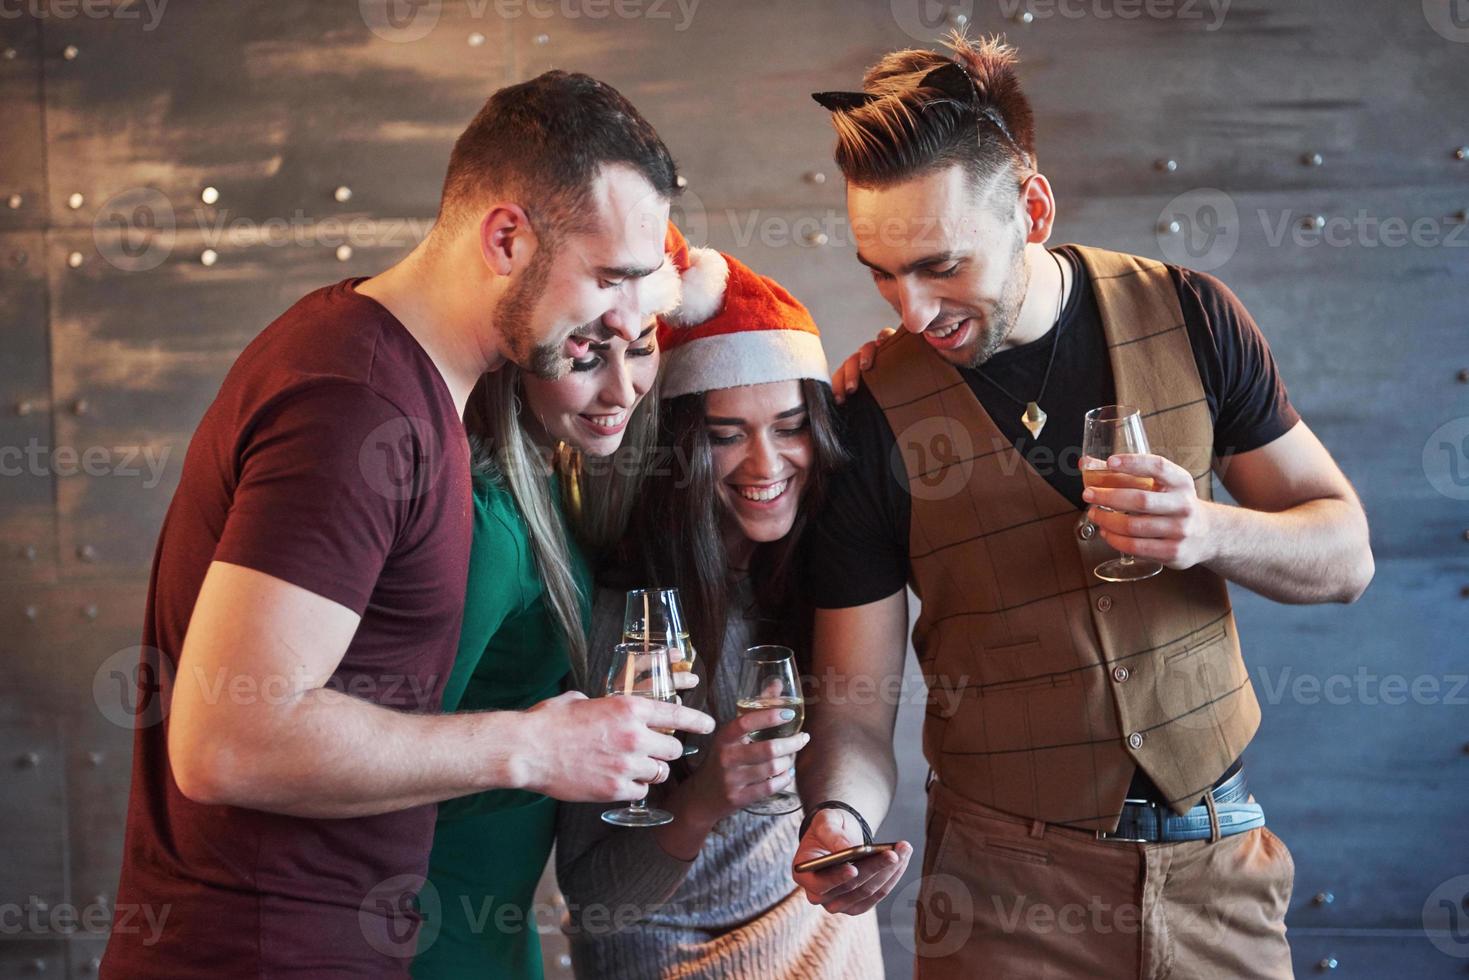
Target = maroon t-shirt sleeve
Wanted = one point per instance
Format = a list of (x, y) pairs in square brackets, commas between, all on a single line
[(321, 494)]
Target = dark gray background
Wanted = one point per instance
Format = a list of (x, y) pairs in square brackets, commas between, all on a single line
[(277, 104)]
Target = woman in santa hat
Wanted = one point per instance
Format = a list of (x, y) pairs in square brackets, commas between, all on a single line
[(748, 444)]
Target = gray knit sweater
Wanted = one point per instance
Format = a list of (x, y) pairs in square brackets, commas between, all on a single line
[(635, 911)]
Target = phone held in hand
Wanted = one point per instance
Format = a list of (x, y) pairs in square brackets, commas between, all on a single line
[(842, 857)]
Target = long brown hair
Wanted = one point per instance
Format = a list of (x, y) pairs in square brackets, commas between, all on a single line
[(676, 540)]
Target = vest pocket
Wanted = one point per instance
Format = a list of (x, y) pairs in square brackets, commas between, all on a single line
[(1191, 645)]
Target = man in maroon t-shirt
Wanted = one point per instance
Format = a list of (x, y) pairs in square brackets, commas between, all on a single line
[(309, 579)]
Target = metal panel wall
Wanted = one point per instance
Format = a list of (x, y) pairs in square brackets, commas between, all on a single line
[(173, 176)]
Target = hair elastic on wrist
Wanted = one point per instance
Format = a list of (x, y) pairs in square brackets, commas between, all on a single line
[(835, 805)]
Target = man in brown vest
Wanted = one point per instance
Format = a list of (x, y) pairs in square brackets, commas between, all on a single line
[(1088, 813)]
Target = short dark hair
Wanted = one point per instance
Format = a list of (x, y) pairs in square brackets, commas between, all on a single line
[(914, 130), (542, 143)]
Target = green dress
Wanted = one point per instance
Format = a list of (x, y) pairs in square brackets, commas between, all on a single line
[(490, 849)]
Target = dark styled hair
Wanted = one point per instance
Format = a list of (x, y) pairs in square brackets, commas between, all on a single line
[(541, 144), (676, 540), (913, 130)]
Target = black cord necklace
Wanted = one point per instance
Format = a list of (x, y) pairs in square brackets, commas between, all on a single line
[(1033, 418)]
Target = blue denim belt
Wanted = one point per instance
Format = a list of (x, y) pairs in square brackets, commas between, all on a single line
[(1146, 822)]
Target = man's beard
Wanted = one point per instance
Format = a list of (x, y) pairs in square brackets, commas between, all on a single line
[(513, 321), (997, 326)]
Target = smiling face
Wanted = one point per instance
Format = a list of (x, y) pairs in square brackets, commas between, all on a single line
[(590, 407), (948, 257), (589, 287), (760, 441)]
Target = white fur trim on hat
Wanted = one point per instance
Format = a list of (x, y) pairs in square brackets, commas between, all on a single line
[(752, 357), (704, 282), (660, 291)]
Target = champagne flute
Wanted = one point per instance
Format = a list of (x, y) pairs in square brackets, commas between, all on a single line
[(768, 680), (654, 616), (1110, 430), (640, 670)]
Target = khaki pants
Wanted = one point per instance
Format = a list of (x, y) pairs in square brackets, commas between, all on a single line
[(1006, 897)]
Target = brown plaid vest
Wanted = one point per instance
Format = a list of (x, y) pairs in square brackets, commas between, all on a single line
[(1049, 686)]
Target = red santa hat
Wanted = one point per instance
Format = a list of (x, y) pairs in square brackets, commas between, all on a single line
[(730, 326)]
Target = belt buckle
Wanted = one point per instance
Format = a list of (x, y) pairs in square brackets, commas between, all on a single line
[(1111, 836)]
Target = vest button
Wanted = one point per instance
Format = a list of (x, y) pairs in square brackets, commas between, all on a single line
[(1121, 674), (1104, 603), (1135, 740), (1087, 531)]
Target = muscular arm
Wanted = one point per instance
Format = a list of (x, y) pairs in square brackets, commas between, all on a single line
[(850, 757), (252, 725), (1299, 533)]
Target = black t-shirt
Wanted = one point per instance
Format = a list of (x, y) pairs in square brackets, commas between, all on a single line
[(857, 548)]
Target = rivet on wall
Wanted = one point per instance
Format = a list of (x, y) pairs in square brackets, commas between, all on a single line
[(32, 613), (1311, 159), (1165, 166), (682, 181), (74, 260), (80, 407), (94, 964), (15, 201), (208, 257), (70, 52), (209, 195), (89, 611), (1170, 227), (1323, 898), (958, 18), (1463, 376), (476, 40), (565, 961), (1464, 592), (1462, 153), (38, 966), (1024, 17), (344, 252), (343, 194), (87, 553), (816, 238), (1461, 216), (816, 177), (26, 407), (1327, 963), (9, 54), (29, 551), (75, 201), (543, 39), (1313, 222), (94, 759), (29, 760)]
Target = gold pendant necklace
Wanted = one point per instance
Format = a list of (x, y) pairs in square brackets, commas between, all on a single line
[(1033, 418)]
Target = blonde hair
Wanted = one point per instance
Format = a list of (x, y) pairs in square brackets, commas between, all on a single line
[(910, 129), (595, 506)]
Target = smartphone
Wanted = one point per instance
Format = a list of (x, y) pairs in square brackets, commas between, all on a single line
[(843, 857)]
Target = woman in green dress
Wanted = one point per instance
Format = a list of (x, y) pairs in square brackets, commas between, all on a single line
[(525, 618)]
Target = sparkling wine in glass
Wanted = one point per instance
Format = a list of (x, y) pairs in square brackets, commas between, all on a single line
[(1110, 430), (640, 670), (768, 679), (654, 616)]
